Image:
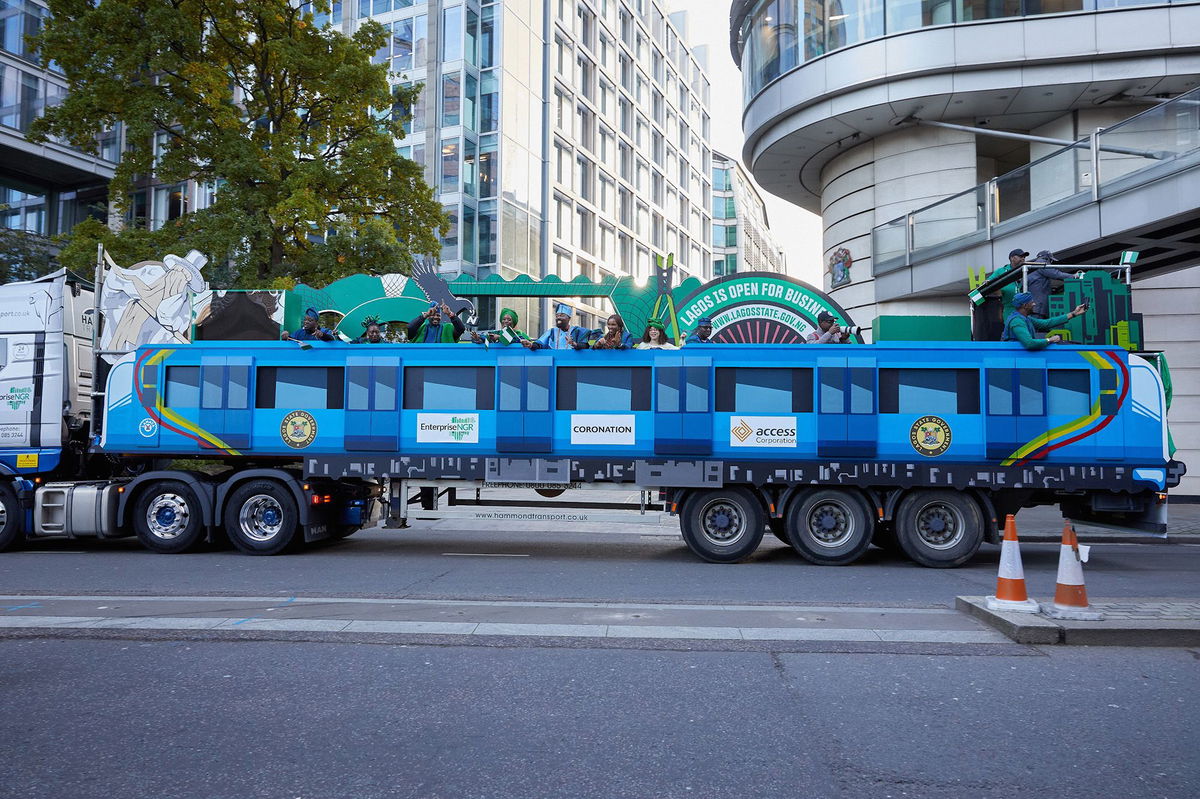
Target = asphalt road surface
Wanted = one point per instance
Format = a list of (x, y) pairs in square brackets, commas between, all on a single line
[(221, 675)]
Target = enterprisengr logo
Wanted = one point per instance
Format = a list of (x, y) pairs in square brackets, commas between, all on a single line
[(17, 397), (448, 428), (742, 431)]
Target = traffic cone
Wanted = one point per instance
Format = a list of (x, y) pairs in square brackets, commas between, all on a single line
[(1070, 594), (1010, 582)]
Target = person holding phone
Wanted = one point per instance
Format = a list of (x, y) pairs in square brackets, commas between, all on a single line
[(1023, 326)]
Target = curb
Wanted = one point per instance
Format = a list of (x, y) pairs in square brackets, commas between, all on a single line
[(1034, 628), (1112, 538)]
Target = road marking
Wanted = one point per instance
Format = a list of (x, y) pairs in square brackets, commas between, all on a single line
[(481, 555), (609, 631)]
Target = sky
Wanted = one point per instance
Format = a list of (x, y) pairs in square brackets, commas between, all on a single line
[(797, 231)]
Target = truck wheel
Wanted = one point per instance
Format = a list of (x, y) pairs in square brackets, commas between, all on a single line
[(830, 526), (167, 517), (10, 518), (939, 529), (722, 525), (261, 517)]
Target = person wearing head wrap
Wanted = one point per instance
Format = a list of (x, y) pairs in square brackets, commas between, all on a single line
[(702, 333), (504, 335), (310, 329), (615, 337), (564, 335), (1022, 326), (372, 332), (830, 331), (656, 337), (430, 327)]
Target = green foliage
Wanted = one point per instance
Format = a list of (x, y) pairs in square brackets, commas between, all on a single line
[(24, 256), (291, 121)]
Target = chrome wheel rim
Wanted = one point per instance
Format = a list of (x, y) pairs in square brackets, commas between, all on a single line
[(940, 525), (722, 523), (167, 516), (830, 524), (261, 518)]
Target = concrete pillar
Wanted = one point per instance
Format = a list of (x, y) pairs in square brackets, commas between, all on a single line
[(882, 180)]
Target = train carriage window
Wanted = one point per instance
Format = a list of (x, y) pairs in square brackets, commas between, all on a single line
[(1016, 392), (1069, 392), (862, 390), (358, 388), (212, 386), (307, 387), (238, 388), (450, 388), (747, 389), (183, 387), (511, 380), (924, 391), (1032, 396), (604, 388), (696, 388), (537, 388), (668, 390), (387, 383)]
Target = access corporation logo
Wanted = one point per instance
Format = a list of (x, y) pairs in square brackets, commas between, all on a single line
[(762, 431)]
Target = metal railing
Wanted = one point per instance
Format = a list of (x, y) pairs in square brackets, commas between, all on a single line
[(1106, 161)]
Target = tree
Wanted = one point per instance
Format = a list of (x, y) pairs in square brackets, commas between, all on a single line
[(289, 119)]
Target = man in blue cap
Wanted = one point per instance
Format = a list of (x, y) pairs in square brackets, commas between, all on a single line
[(563, 336), (310, 329), (1023, 327), (703, 332)]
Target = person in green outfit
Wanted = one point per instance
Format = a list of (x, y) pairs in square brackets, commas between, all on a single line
[(1022, 326), (506, 334), (428, 328)]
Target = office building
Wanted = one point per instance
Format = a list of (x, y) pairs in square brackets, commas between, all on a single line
[(933, 138), (741, 233)]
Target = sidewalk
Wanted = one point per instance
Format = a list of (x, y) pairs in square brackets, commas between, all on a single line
[(1127, 622), (1044, 525)]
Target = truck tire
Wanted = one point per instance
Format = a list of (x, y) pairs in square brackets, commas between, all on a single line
[(722, 525), (261, 517), (830, 526), (10, 518), (939, 529), (167, 517)]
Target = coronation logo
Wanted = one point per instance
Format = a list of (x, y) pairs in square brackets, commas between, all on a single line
[(612, 428), (603, 428)]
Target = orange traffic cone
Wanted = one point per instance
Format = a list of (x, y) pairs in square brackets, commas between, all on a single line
[(1010, 583), (1070, 595)]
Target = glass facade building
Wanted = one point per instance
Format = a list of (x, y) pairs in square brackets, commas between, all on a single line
[(564, 137), (741, 235), (777, 36)]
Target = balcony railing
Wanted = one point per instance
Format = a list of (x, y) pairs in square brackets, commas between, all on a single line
[(1109, 160)]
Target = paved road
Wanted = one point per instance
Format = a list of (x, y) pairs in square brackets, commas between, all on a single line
[(448, 561), (612, 665)]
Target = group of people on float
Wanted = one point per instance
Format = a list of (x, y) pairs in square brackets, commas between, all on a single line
[(440, 325)]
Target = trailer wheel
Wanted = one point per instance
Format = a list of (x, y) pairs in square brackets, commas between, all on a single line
[(167, 518), (10, 518), (261, 517), (830, 526), (939, 529), (722, 525)]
